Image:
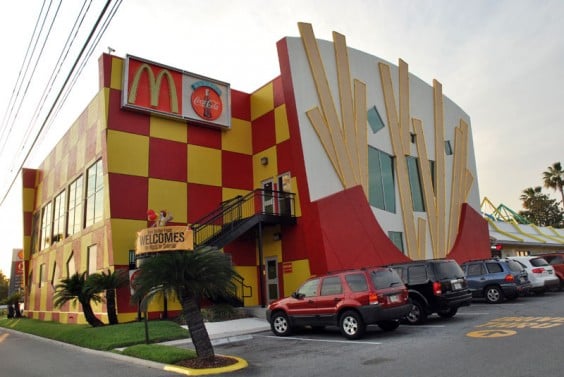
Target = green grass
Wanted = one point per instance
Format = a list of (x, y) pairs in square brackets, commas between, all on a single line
[(99, 338), (159, 353)]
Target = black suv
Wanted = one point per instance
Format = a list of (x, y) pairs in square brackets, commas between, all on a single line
[(435, 286), (496, 279)]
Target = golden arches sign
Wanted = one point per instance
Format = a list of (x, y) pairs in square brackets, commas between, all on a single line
[(154, 86)]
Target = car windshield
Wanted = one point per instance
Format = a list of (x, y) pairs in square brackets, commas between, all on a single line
[(539, 262), (448, 270), (385, 278)]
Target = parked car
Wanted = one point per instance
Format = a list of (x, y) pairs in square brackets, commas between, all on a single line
[(435, 286), (541, 274), (556, 260), (350, 299), (496, 279)]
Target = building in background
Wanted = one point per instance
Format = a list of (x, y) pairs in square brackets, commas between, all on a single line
[(342, 161)]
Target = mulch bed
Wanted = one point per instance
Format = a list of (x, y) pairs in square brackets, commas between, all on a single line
[(215, 362)]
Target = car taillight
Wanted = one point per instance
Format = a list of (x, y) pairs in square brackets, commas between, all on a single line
[(509, 278), (437, 289), (372, 298), (538, 270)]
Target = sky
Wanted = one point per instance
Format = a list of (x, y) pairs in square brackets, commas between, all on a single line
[(501, 61)]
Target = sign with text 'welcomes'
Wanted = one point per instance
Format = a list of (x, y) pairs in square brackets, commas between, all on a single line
[(164, 238), (173, 93)]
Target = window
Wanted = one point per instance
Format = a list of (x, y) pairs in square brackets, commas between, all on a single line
[(46, 225), (383, 279), (54, 274), (417, 274), (415, 184), (71, 269), (493, 267), (94, 193), (375, 120), (448, 148), (381, 180), (59, 217), (356, 282), (92, 259), (41, 274), (397, 239), (331, 286), (74, 224), (475, 269), (309, 288)]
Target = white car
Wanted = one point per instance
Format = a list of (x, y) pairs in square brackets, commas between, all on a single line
[(541, 273)]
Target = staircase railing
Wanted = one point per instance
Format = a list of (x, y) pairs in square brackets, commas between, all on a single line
[(233, 211)]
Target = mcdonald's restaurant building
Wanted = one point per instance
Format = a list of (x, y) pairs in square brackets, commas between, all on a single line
[(344, 160)]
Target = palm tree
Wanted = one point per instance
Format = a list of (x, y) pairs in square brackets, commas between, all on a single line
[(554, 179), (109, 282), (190, 276), (74, 288), (529, 195)]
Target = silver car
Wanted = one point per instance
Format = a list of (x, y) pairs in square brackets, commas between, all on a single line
[(541, 273)]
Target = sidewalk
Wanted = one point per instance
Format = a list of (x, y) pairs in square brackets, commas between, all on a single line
[(229, 331)]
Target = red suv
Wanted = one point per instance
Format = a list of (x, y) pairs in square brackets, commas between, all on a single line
[(350, 299)]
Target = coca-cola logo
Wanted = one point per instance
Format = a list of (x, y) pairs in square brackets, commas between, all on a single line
[(206, 100)]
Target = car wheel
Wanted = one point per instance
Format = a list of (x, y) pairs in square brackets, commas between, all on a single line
[(280, 325), (493, 295), (417, 315), (447, 313), (388, 325), (351, 325)]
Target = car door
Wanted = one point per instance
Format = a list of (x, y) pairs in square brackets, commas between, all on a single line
[(475, 277), (330, 294), (303, 304)]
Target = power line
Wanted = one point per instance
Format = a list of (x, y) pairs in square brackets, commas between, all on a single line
[(76, 62)]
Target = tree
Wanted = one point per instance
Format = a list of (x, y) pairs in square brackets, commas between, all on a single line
[(190, 276), (4, 286), (540, 209), (554, 178), (108, 282), (74, 288)]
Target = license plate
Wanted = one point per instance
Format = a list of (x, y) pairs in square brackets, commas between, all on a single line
[(394, 298), (456, 285)]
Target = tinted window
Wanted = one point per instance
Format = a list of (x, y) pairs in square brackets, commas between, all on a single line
[(356, 282), (448, 270), (309, 288), (331, 286), (475, 269), (538, 262), (385, 278), (417, 274), (514, 266), (493, 267)]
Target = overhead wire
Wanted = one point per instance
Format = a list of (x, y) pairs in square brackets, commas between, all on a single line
[(23, 71), (58, 66), (60, 93)]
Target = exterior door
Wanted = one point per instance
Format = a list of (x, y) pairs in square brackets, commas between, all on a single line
[(268, 197), (271, 265)]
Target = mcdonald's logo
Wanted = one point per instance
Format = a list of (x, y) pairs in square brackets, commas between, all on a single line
[(173, 93), (154, 88)]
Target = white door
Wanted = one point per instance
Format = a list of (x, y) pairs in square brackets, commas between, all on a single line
[(271, 265)]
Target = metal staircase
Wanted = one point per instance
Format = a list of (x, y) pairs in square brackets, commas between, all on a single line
[(240, 215)]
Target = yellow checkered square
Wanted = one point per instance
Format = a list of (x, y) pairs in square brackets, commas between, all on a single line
[(128, 153), (204, 165)]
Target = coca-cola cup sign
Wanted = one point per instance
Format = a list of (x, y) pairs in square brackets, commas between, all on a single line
[(206, 100)]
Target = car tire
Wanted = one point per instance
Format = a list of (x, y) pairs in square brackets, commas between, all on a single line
[(447, 313), (280, 325), (418, 314), (388, 325), (352, 325), (493, 295)]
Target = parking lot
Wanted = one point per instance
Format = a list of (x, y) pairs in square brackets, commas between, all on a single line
[(516, 338)]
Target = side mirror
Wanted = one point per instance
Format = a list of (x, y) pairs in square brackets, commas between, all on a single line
[(298, 296)]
